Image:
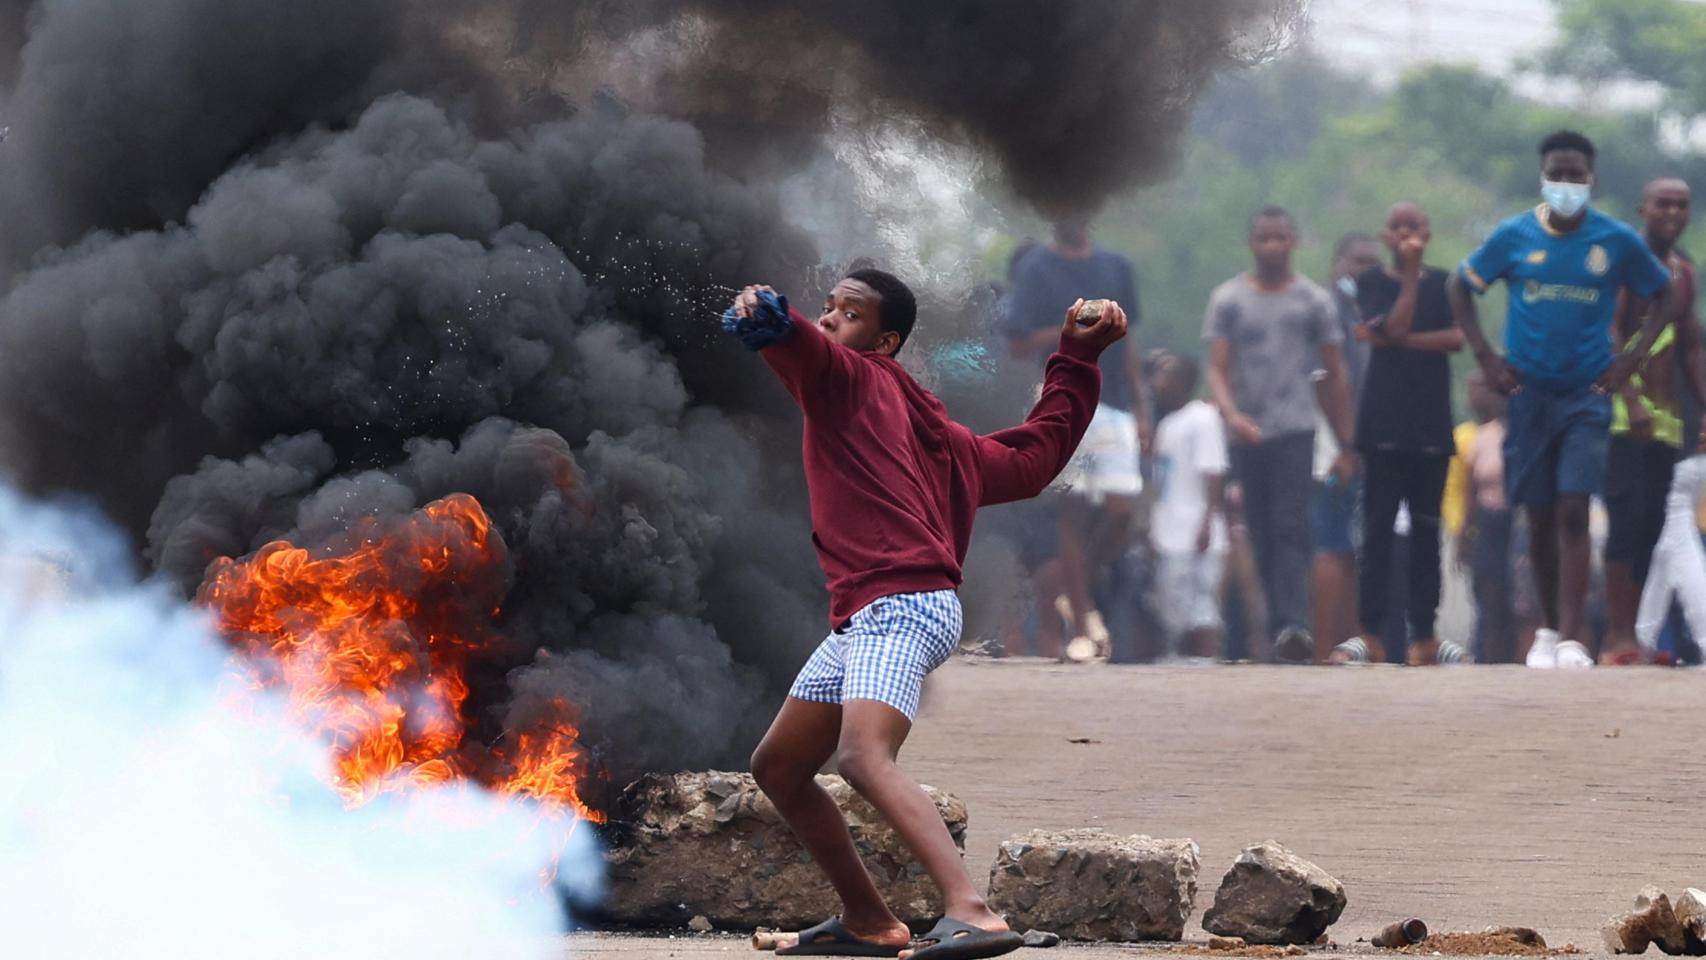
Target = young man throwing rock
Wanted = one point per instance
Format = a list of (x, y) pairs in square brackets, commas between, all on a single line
[(894, 487)]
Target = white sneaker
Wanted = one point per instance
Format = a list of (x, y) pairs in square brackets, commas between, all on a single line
[(1543, 655), (1573, 656)]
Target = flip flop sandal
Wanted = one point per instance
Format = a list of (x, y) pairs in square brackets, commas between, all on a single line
[(1354, 650), (953, 940), (831, 938)]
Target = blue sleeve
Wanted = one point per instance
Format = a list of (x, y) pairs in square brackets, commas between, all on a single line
[(1128, 296), (1491, 261), (1643, 272), (768, 324), (1023, 304)]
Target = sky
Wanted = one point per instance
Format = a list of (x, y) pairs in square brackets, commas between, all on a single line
[(1384, 36)]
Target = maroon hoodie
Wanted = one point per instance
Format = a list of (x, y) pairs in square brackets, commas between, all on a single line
[(894, 483)]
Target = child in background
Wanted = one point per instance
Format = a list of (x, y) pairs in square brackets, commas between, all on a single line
[(1188, 526), (1485, 546)]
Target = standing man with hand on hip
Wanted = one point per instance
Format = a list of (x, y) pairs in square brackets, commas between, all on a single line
[(1564, 264)]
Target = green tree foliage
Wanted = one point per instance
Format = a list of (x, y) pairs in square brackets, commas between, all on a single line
[(1338, 153), (1652, 40)]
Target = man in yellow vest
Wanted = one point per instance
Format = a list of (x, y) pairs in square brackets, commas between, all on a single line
[(1646, 423)]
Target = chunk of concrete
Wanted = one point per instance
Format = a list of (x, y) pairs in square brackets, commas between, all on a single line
[(1653, 921), (1273, 896), (1093, 885), (1690, 909), (712, 845)]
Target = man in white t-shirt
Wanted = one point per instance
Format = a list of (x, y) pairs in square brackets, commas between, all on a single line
[(1188, 524)]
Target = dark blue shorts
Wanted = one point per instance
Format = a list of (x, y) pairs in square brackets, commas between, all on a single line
[(1556, 442), (1333, 515)]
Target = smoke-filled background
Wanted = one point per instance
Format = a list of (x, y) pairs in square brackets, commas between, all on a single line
[(143, 816), (266, 269)]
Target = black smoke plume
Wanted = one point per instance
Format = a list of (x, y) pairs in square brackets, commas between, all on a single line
[(269, 268)]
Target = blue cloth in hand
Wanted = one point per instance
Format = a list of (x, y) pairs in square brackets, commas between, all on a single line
[(769, 324)]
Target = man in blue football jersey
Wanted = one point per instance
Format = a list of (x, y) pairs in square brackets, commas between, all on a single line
[(1563, 265)]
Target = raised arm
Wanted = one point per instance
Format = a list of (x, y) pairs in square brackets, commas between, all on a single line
[(809, 365), (1020, 462)]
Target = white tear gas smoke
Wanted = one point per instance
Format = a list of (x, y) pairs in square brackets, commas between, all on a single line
[(267, 269), (146, 812)]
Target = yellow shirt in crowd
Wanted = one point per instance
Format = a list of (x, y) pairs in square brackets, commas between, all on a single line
[(1454, 508)]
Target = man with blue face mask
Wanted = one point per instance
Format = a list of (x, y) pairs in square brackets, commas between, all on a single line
[(1564, 264)]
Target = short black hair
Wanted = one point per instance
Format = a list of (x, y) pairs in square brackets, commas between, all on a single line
[(1273, 212), (1189, 370), (1355, 236), (1568, 140), (899, 309)]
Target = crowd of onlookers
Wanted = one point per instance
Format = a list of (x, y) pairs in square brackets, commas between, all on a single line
[(1301, 491)]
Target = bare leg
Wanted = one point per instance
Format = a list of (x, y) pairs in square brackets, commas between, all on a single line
[(1622, 597), (1205, 642), (1574, 560), (801, 739), (1333, 601), (871, 737), (1543, 542), (1049, 585), (1423, 652), (1074, 544)]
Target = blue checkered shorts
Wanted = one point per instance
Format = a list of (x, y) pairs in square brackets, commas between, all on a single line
[(884, 652)]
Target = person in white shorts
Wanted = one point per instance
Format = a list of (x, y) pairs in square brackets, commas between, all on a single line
[(1679, 561), (1188, 526)]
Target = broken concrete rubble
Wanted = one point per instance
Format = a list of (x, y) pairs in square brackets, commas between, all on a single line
[(712, 845), (1093, 885), (1273, 896), (1690, 909), (1655, 922)]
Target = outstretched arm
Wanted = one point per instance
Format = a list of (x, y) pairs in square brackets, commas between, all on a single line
[(1020, 462), (809, 365)]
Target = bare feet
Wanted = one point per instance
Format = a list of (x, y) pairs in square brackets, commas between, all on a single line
[(1423, 653), (1622, 655), (1376, 652)]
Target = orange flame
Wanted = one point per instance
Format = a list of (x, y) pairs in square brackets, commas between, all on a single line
[(371, 645)]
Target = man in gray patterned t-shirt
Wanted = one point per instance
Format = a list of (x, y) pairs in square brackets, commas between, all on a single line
[(1269, 330)]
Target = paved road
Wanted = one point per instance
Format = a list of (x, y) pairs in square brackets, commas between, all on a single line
[(1466, 796)]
